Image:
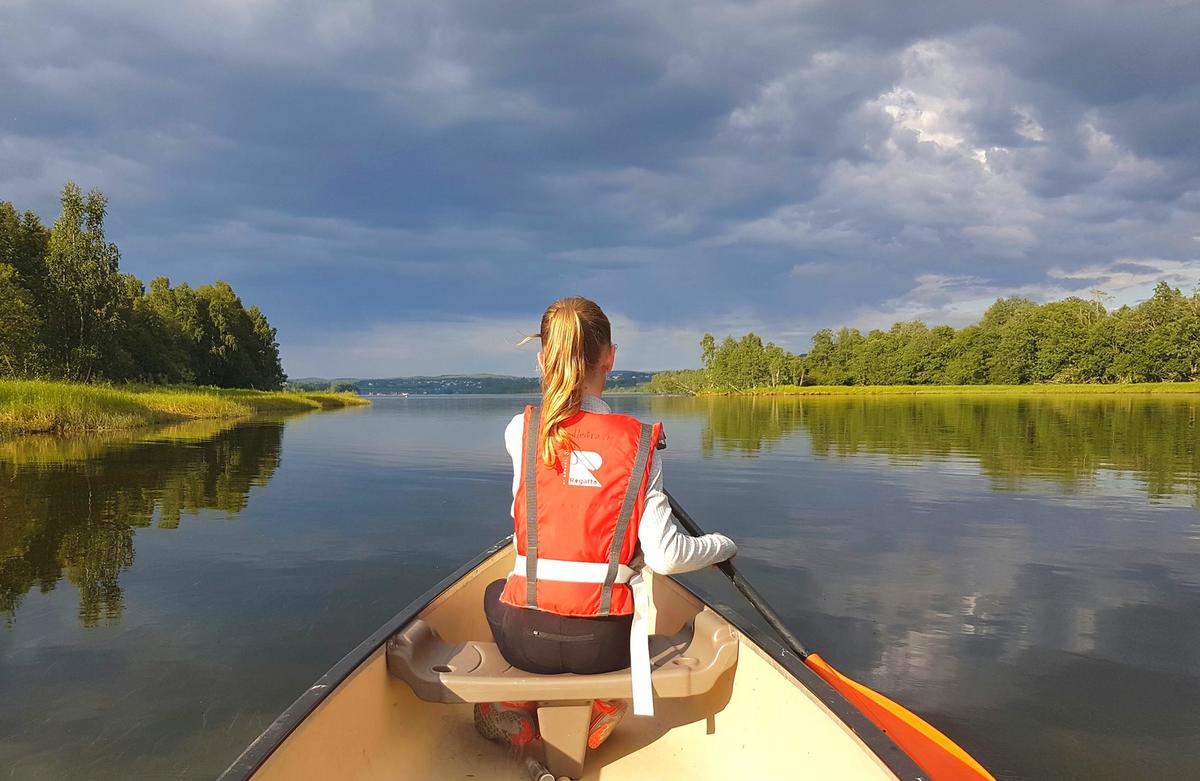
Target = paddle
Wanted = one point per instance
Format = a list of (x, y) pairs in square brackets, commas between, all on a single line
[(929, 748)]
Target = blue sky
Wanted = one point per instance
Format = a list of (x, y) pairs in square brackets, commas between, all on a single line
[(402, 187)]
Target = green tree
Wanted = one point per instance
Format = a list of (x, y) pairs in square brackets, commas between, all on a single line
[(264, 349), (967, 364), (178, 310), (19, 326), (739, 364), (84, 286), (819, 360), (1008, 332), (1159, 339), (224, 360), (723, 369), (930, 364), (23, 244), (779, 365), (1063, 335), (150, 347), (846, 346), (873, 360), (708, 349), (750, 361), (237, 346)]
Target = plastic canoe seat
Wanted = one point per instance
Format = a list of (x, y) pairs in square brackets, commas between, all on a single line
[(682, 665)]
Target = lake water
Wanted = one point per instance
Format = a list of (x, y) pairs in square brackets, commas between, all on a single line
[(1023, 572)]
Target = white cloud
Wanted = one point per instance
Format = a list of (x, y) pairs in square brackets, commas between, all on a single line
[(936, 192), (1130, 280)]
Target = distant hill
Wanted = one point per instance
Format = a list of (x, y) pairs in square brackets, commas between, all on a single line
[(456, 383)]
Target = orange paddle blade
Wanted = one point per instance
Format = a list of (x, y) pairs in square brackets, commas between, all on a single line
[(937, 754)]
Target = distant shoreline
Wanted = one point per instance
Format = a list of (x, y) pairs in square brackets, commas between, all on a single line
[(1031, 389), (1041, 389), (41, 407)]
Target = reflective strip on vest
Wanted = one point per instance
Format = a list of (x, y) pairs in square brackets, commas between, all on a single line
[(531, 539), (635, 487), (573, 571)]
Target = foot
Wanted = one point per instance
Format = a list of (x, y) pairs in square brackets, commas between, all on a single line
[(605, 716), (511, 723)]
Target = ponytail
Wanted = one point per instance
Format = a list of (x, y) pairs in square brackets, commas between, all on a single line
[(574, 330)]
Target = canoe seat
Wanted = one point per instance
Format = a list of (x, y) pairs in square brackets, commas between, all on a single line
[(684, 664)]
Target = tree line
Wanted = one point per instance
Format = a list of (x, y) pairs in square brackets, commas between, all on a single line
[(1016, 342), (67, 312)]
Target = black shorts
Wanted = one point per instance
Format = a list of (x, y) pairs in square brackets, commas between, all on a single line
[(545, 643)]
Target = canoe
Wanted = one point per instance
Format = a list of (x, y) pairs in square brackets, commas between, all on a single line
[(730, 702)]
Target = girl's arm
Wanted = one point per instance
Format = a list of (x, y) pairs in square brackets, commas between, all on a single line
[(668, 549), (513, 444)]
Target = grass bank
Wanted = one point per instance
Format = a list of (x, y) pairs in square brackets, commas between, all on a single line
[(1142, 388), (39, 407)]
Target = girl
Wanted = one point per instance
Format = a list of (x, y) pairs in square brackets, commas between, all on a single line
[(589, 512)]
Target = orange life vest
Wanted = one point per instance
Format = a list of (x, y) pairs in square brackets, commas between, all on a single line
[(576, 522)]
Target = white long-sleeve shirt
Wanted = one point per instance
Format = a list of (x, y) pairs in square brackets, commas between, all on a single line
[(666, 548)]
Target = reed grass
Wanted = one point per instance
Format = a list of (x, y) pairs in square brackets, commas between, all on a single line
[(44, 407)]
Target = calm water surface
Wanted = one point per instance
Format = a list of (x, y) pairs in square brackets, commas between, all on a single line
[(1024, 573)]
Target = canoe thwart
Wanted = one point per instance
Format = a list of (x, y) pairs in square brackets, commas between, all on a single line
[(683, 665)]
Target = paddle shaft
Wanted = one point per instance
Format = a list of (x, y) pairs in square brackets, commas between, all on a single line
[(749, 592)]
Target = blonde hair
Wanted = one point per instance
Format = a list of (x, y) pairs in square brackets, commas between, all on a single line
[(574, 332)]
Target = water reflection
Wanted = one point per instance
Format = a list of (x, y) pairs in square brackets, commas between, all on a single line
[(69, 507), (1023, 572), (1069, 440)]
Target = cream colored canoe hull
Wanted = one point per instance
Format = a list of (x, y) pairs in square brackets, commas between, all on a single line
[(769, 717)]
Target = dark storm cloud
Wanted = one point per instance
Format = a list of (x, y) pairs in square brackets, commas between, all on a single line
[(380, 177)]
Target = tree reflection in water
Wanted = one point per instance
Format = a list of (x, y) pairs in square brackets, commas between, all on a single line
[(1066, 439), (1045, 616), (69, 507)]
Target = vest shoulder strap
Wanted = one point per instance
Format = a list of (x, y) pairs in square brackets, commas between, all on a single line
[(635, 486), (532, 419)]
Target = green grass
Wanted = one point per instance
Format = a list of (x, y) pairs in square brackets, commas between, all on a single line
[(41, 407), (1155, 388)]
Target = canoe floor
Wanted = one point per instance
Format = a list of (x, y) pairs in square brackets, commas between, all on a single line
[(758, 722)]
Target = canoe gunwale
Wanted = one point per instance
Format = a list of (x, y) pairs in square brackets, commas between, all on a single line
[(260, 750)]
